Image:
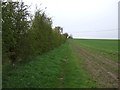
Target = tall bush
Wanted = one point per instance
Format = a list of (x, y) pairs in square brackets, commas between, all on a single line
[(22, 37)]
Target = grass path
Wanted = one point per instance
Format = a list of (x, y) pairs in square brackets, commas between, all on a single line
[(55, 69), (68, 66)]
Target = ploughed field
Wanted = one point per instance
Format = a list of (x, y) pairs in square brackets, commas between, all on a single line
[(79, 63)]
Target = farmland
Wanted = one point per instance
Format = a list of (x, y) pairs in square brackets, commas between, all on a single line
[(79, 63), (101, 60), (107, 48)]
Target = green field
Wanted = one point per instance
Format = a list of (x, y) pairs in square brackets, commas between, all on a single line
[(107, 48), (79, 63), (110, 45)]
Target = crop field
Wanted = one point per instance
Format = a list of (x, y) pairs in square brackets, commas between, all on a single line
[(101, 60), (107, 48), (79, 63)]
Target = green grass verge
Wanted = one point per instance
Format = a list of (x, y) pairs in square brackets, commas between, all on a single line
[(75, 74), (45, 71), (42, 72)]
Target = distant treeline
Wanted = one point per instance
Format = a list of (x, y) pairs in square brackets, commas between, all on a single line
[(24, 36)]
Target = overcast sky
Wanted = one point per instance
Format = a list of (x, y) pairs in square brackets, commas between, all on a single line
[(82, 18)]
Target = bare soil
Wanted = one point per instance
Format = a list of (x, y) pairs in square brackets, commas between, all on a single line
[(99, 67)]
